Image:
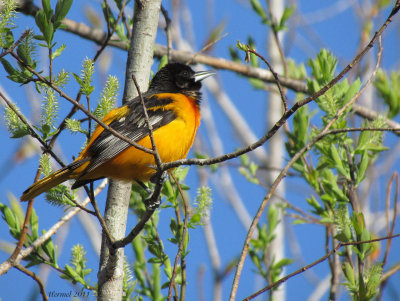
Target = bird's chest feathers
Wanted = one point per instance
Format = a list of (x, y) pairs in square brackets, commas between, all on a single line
[(180, 132)]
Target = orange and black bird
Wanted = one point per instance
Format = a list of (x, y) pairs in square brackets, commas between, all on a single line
[(172, 103)]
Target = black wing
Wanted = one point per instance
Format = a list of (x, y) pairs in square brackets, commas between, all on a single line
[(132, 126)]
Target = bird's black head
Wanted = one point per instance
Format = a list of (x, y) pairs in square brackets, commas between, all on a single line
[(178, 78)]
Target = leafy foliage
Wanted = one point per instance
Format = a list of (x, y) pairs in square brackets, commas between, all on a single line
[(202, 207), (389, 91), (16, 127), (107, 98), (26, 51), (85, 79), (7, 15), (341, 165), (265, 263), (48, 20), (77, 271)]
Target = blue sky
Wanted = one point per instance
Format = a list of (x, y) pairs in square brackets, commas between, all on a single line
[(339, 33)]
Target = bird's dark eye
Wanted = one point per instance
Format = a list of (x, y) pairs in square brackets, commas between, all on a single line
[(185, 73)]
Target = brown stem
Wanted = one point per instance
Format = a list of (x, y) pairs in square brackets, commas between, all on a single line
[(180, 249), (34, 277), (275, 75)]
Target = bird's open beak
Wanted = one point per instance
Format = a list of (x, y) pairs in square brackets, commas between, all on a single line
[(198, 76)]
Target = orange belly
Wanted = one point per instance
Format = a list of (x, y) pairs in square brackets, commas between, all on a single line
[(173, 142)]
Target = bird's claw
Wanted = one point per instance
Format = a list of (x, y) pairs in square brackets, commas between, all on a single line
[(159, 179), (152, 204)]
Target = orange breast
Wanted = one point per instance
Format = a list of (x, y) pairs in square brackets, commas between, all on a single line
[(173, 142)]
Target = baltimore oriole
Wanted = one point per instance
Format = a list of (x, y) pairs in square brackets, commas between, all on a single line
[(172, 103)]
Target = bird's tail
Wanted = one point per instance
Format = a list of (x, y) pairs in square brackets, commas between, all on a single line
[(69, 172)]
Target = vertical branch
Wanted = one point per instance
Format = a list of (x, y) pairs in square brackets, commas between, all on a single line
[(140, 57), (276, 147)]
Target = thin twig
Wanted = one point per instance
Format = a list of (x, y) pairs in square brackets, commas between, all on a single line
[(213, 42), (275, 75), (180, 249), (167, 31), (98, 214), (276, 38), (34, 277), (76, 204), (394, 269), (25, 227), (304, 215), (149, 126), (110, 32), (390, 230), (139, 226)]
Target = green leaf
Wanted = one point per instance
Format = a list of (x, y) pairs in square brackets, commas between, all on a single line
[(34, 221), (255, 82), (156, 276), (62, 9), (363, 140), (16, 127), (283, 262), (389, 91), (11, 220), (195, 219), (365, 247), (163, 61), (272, 216), (338, 161), (349, 273), (362, 167), (314, 203), (234, 54), (256, 5), (24, 54), (74, 126), (46, 6), (241, 46), (41, 20), (8, 67), (48, 248), (352, 90), (49, 33), (78, 79), (288, 11), (58, 51), (253, 58)]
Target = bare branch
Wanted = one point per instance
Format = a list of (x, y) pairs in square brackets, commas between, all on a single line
[(36, 278)]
